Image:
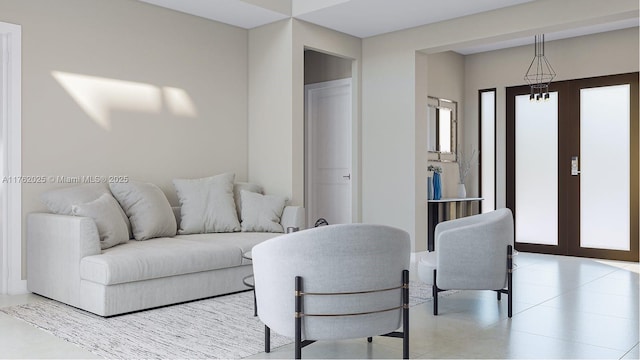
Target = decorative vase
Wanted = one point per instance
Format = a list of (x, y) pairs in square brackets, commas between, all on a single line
[(437, 186), (462, 191), (429, 188)]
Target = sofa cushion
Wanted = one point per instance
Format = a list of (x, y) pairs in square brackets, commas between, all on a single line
[(147, 208), (243, 241), (237, 189), (106, 213), (61, 201), (262, 212), (206, 205), (162, 257)]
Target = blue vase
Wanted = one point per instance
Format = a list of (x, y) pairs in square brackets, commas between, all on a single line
[(429, 188), (437, 186)]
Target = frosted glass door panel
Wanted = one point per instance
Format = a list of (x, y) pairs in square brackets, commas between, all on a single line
[(488, 149), (604, 167), (537, 170)]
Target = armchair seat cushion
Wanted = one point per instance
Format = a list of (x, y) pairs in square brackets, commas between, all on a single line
[(426, 265)]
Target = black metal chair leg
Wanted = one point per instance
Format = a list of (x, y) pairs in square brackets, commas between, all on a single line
[(510, 280), (255, 303), (298, 317), (499, 294), (267, 339), (509, 304), (434, 291), (405, 314)]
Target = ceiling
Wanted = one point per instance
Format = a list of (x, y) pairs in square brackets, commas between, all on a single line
[(365, 18)]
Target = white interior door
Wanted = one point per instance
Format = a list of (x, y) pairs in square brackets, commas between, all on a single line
[(328, 180)]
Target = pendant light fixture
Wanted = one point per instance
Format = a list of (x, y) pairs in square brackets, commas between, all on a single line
[(540, 73)]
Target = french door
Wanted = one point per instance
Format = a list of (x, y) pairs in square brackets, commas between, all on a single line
[(572, 168)]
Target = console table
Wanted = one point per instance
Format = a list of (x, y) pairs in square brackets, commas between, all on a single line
[(453, 208)]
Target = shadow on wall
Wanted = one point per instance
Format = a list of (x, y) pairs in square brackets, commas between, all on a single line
[(98, 96)]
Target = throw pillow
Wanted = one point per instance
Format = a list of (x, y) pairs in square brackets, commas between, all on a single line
[(105, 211), (61, 201), (262, 213), (147, 208), (206, 205), (237, 188)]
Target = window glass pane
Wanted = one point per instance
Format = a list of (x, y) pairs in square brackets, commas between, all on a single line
[(445, 130), (604, 167), (537, 170), (487, 150)]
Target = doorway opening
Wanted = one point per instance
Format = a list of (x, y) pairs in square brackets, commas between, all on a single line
[(329, 177)]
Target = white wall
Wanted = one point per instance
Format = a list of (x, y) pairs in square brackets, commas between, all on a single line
[(127, 52), (389, 151), (276, 100), (609, 53), (390, 123), (445, 72), (270, 107)]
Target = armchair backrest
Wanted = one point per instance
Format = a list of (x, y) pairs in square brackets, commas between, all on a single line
[(471, 252), (335, 258)]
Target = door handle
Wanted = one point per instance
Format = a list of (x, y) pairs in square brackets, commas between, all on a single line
[(348, 177), (574, 166)]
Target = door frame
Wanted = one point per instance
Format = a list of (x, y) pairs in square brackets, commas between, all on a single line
[(11, 253), (574, 240), (308, 89), (568, 93)]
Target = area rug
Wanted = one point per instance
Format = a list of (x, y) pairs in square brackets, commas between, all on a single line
[(222, 328)]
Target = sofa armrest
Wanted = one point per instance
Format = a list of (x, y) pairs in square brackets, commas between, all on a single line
[(55, 246), (293, 216)]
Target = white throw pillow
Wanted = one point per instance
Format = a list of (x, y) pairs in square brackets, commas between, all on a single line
[(61, 201), (262, 213), (105, 211), (207, 205), (147, 208), (237, 188)]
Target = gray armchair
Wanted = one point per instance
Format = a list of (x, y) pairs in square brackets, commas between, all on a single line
[(334, 282), (472, 253)]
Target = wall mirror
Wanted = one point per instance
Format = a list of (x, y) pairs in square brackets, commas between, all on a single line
[(442, 122)]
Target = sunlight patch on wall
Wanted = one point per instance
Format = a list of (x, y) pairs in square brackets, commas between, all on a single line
[(99, 96), (179, 102)]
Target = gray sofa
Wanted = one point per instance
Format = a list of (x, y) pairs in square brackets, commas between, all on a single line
[(65, 262)]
